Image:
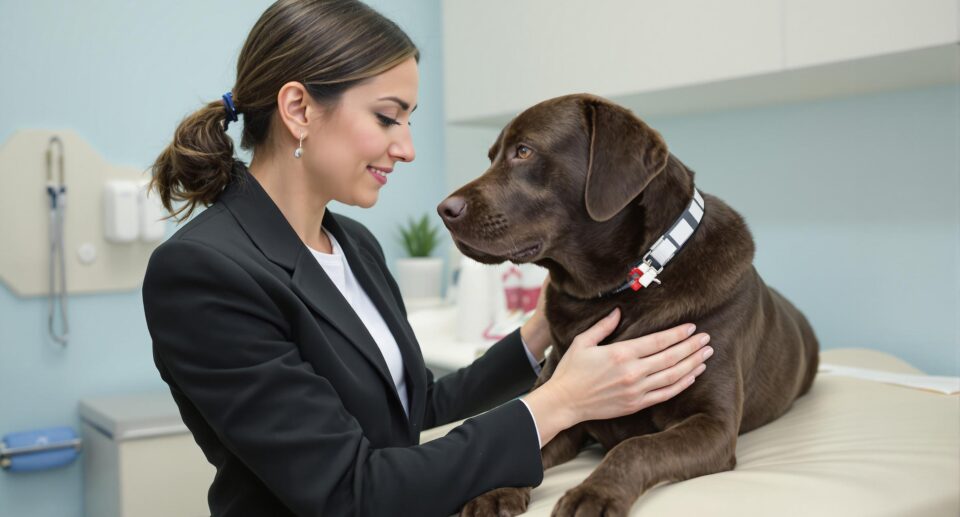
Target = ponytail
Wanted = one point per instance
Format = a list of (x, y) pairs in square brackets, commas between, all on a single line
[(197, 165)]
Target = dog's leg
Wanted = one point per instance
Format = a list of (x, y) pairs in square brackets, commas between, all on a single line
[(699, 445), (509, 501)]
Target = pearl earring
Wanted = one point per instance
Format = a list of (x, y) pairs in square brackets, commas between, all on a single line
[(299, 151)]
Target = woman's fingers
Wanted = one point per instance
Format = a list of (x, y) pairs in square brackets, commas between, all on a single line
[(657, 342), (688, 366), (673, 355), (654, 397), (598, 331), (669, 382)]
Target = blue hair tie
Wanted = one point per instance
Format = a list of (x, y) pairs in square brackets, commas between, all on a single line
[(231, 110)]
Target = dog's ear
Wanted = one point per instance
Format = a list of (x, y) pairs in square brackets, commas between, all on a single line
[(625, 154)]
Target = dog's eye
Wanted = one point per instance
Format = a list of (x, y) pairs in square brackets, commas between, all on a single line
[(523, 152)]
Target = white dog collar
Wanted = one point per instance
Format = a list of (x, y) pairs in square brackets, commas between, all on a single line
[(666, 247)]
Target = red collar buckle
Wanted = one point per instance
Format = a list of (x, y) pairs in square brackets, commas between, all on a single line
[(642, 276), (636, 274)]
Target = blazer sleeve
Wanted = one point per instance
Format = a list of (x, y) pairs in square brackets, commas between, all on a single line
[(500, 374), (220, 340)]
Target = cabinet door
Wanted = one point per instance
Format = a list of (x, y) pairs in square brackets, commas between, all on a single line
[(164, 476), (501, 56), (825, 31)]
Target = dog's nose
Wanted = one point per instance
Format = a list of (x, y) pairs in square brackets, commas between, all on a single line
[(452, 208)]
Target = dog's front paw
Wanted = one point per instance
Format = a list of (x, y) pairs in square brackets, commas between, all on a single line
[(591, 500), (502, 502)]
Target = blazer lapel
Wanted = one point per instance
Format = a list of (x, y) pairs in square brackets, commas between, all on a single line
[(269, 230), (312, 284), (374, 282)]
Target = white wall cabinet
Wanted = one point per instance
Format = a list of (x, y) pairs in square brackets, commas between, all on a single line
[(536, 49), (826, 31), (663, 58)]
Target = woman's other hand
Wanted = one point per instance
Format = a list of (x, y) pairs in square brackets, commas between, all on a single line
[(596, 383), (536, 331)]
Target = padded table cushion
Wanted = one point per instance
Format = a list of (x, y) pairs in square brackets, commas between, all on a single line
[(849, 447)]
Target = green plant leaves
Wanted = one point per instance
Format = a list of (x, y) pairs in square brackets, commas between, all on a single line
[(418, 237)]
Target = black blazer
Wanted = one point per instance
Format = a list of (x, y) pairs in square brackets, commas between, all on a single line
[(287, 393)]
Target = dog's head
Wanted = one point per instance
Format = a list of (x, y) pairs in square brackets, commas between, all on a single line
[(560, 172)]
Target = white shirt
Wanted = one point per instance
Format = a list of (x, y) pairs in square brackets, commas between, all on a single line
[(338, 269)]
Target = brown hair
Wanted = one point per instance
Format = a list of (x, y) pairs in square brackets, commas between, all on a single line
[(328, 45)]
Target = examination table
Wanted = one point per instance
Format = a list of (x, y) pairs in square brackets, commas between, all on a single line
[(850, 447)]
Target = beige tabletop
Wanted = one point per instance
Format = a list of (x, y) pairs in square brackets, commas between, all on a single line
[(850, 447)]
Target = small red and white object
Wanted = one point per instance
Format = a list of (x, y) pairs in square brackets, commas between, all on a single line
[(521, 289), (531, 283), (642, 276)]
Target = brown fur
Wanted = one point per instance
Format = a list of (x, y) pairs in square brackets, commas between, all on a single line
[(598, 189)]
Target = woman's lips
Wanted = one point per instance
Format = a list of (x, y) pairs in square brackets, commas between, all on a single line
[(378, 174)]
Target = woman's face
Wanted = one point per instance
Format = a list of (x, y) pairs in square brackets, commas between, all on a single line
[(351, 151)]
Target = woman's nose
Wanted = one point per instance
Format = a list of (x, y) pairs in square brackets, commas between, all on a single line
[(402, 149)]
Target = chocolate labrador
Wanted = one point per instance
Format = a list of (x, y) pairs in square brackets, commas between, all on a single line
[(584, 188)]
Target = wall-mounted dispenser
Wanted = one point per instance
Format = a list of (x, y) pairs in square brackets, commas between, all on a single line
[(121, 213), (131, 212)]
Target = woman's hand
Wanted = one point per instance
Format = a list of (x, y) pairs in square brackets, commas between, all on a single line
[(536, 331), (596, 383)]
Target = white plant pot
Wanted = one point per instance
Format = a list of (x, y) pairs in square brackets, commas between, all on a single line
[(419, 279)]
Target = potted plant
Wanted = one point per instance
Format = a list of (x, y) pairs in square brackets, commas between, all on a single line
[(419, 275)]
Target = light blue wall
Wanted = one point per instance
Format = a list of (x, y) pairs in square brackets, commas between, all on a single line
[(122, 74), (855, 207)]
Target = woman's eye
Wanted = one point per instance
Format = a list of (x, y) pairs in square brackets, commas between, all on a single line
[(523, 152), (387, 121)]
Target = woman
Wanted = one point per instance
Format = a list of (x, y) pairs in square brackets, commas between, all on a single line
[(280, 331)]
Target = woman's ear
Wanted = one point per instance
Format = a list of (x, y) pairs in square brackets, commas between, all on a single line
[(295, 108)]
